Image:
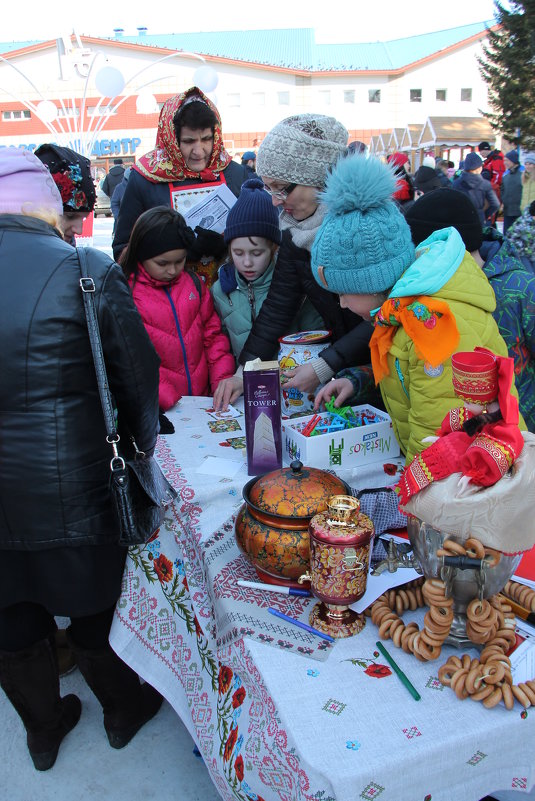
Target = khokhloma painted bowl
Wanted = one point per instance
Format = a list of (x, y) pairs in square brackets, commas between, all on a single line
[(272, 524)]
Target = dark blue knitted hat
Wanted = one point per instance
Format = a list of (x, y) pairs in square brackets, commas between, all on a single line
[(253, 214)]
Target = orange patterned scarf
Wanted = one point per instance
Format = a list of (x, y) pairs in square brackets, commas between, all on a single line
[(429, 322)]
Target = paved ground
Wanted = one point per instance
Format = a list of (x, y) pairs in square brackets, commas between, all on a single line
[(158, 763)]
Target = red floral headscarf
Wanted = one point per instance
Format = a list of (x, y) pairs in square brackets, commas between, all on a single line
[(166, 163)]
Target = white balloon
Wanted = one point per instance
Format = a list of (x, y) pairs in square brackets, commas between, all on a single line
[(146, 103), (206, 78), (109, 81), (47, 110)]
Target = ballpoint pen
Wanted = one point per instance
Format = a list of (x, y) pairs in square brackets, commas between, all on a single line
[(403, 678), (256, 585), (298, 623)]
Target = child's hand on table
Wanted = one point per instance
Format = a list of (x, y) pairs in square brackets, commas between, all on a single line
[(341, 388), (228, 391)]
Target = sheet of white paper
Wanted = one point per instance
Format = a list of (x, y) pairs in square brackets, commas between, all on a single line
[(199, 401), (231, 412), (214, 466), (211, 212), (376, 585), (523, 657), (185, 199)]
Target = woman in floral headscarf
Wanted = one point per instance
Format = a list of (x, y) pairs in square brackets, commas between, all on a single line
[(72, 175), (189, 154)]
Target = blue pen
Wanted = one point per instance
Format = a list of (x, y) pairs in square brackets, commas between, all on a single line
[(301, 625)]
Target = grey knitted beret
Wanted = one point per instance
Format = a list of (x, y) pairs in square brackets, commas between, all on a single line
[(300, 149)]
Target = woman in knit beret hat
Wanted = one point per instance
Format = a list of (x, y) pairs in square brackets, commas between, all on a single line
[(293, 161)]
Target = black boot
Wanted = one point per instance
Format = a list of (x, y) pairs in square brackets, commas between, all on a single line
[(30, 680), (127, 704)]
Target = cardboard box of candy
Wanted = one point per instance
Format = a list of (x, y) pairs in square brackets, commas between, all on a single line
[(371, 440)]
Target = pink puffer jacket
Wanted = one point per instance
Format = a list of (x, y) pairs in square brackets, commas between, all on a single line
[(186, 332)]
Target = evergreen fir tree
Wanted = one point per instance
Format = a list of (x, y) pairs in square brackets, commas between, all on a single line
[(508, 67)]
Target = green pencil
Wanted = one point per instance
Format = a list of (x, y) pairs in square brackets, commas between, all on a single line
[(404, 680)]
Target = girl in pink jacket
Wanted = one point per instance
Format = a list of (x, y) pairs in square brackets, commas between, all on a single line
[(176, 307)]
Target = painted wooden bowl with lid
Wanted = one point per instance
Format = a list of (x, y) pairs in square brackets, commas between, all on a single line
[(272, 524)]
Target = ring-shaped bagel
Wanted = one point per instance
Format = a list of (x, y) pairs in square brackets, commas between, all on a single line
[(494, 672), (485, 691), (478, 611), (473, 680), (521, 696), (492, 557), (474, 548), (508, 697), (454, 547), (494, 698)]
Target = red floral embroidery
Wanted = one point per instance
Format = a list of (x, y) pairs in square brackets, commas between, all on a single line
[(238, 768), (229, 745), (390, 469), (224, 679), (198, 631), (378, 671), (65, 185), (163, 568), (238, 698), (154, 536)]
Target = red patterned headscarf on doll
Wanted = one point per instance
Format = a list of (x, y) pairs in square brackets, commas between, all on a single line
[(166, 163)]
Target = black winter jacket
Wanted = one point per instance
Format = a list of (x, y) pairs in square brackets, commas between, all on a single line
[(292, 282), (54, 464), (480, 192), (141, 194), (112, 180)]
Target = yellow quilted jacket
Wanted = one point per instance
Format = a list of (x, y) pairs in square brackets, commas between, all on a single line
[(416, 396)]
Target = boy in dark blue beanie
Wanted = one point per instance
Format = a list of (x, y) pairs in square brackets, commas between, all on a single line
[(253, 236)]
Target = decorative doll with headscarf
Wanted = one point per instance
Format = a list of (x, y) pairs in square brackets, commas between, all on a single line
[(480, 439)]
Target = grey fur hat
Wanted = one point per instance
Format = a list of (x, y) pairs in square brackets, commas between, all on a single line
[(300, 149)]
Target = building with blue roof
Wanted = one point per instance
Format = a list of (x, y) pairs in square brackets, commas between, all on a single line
[(374, 88)]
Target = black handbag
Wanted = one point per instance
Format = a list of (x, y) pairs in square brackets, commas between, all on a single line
[(140, 492)]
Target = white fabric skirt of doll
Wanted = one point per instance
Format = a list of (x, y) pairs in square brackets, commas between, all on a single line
[(501, 516)]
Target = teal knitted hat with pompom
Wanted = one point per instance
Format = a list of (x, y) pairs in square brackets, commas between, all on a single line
[(364, 244)]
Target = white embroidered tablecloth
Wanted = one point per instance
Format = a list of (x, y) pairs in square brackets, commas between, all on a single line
[(273, 725)]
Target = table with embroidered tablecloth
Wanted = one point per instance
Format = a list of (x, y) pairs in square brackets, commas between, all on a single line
[(277, 714)]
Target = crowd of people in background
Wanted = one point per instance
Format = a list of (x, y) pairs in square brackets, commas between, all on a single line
[(402, 268)]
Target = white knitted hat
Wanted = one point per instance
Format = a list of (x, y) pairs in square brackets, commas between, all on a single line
[(300, 149)]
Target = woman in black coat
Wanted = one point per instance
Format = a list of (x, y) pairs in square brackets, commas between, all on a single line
[(189, 155), (58, 534)]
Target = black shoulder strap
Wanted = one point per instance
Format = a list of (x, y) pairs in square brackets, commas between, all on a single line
[(87, 285), (196, 281)]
